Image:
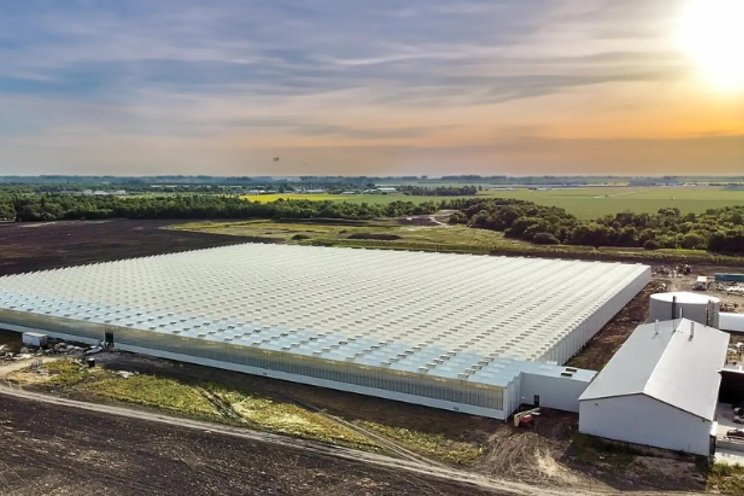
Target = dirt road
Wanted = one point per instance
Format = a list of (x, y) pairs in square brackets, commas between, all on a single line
[(117, 414), (55, 445)]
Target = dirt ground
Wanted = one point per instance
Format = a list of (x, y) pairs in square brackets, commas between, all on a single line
[(608, 340), (542, 454), (64, 451), (37, 246)]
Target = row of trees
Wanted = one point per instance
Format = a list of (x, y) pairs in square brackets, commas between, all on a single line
[(720, 230), (77, 207)]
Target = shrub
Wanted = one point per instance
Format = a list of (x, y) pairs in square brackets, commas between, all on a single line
[(651, 244), (543, 238), (379, 236), (458, 218)]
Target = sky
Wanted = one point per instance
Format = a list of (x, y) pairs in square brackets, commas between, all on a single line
[(353, 87)]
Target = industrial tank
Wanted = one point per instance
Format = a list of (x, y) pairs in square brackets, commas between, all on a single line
[(701, 308)]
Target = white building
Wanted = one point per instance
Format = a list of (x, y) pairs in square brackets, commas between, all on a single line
[(475, 334), (732, 322), (34, 339), (660, 389)]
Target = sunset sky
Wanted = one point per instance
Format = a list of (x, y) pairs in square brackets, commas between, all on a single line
[(373, 87)]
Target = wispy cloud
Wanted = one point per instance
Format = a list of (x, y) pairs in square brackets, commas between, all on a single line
[(232, 75)]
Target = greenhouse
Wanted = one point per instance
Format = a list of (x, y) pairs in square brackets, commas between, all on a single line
[(476, 334)]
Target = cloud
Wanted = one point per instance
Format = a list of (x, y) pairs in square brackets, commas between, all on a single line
[(251, 74)]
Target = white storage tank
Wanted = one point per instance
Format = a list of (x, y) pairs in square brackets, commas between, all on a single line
[(701, 308)]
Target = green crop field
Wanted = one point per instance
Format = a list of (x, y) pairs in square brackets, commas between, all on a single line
[(370, 198), (270, 197), (586, 203), (593, 202)]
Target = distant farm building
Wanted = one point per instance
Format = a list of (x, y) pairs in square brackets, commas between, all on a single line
[(475, 334)]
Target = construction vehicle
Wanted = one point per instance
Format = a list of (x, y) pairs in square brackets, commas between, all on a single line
[(526, 417), (701, 283)]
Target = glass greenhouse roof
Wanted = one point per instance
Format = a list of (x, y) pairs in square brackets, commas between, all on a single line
[(468, 317)]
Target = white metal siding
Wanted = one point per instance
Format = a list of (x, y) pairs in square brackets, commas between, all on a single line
[(643, 420), (561, 393), (34, 339), (733, 322)]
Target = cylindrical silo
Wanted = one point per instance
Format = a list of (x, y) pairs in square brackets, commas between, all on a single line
[(701, 308)]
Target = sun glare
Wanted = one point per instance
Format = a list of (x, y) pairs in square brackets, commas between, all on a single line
[(712, 32)]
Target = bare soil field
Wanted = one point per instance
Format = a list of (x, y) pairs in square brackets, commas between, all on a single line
[(54, 450), (37, 246)]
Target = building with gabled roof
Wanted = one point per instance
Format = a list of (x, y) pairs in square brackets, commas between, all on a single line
[(660, 389)]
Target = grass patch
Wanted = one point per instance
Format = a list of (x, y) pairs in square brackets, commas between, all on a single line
[(593, 202), (287, 418), (453, 239), (65, 372), (432, 445), (726, 479), (154, 392), (193, 400), (590, 450)]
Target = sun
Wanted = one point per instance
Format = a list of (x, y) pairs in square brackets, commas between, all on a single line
[(712, 33)]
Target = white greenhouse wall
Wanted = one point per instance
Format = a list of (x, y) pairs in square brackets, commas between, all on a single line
[(643, 420), (572, 342), (560, 393), (341, 386), (197, 354)]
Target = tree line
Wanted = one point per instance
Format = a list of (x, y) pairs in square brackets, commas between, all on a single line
[(51, 207), (718, 230)]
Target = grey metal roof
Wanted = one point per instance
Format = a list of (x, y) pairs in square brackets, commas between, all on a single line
[(675, 362), (475, 318)]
